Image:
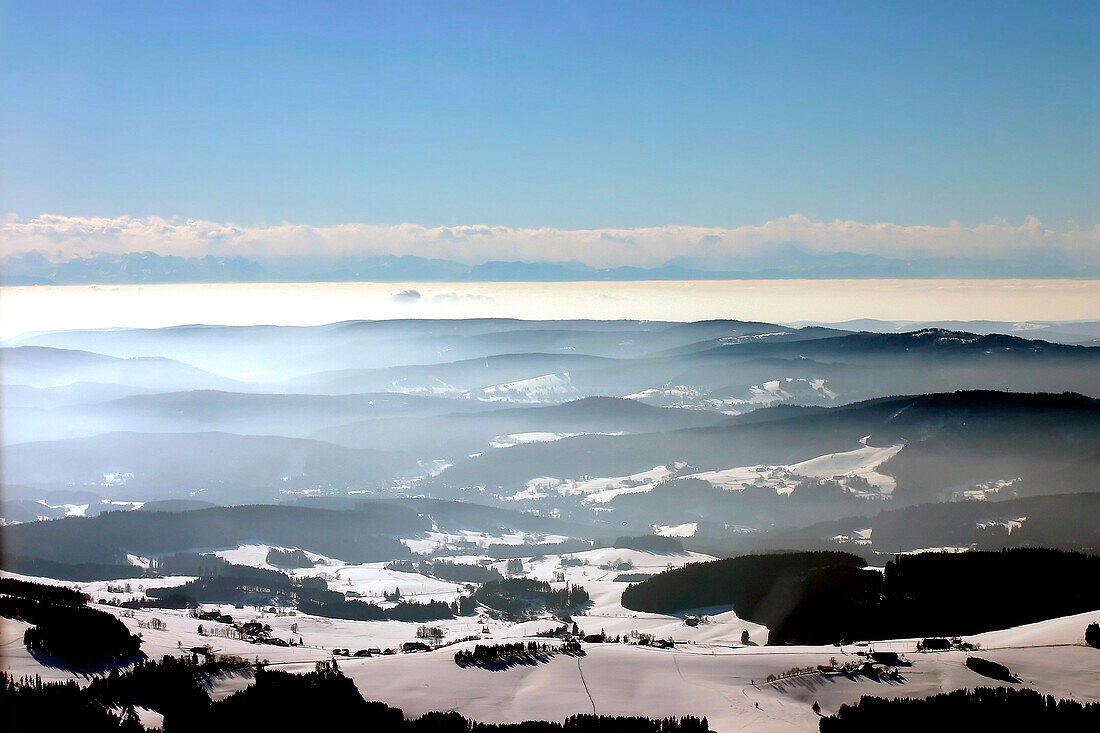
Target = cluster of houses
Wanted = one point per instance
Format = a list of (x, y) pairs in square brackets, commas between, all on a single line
[(250, 631), (371, 652), (218, 616), (872, 664)]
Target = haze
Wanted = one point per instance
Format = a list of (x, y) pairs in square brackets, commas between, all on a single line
[(55, 308)]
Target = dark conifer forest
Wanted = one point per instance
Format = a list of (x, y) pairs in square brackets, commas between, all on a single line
[(984, 708), (820, 598), (64, 628)]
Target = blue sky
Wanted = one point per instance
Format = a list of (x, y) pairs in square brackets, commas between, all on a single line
[(563, 115)]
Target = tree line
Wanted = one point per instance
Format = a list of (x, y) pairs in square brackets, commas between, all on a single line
[(483, 655), (826, 597), (288, 558), (981, 709), (517, 597), (743, 582), (64, 627), (324, 699), (939, 594), (447, 570), (354, 536)]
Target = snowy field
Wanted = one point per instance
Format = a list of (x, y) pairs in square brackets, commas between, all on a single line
[(513, 439), (861, 463), (722, 683), (709, 672), (765, 394), (857, 469), (598, 490)]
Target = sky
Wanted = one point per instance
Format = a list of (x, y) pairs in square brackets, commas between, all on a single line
[(923, 119)]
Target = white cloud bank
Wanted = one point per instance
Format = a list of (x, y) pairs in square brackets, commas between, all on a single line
[(405, 295), (64, 237)]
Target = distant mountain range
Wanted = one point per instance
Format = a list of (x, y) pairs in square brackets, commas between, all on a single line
[(1086, 333), (782, 261), (637, 425)]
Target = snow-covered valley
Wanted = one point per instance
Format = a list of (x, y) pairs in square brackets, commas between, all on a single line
[(708, 671)]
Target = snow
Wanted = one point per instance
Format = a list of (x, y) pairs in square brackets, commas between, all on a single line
[(255, 555), (531, 493), (708, 673), (677, 530), (716, 681), (433, 541), (71, 510), (855, 537), (131, 505), (603, 490), (437, 388), (514, 439), (729, 340), (150, 719), (735, 479), (862, 462), (598, 490), (546, 388), (903, 409), (677, 392), (819, 386), (371, 580), (556, 387), (796, 390), (985, 491), (140, 562), (434, 467), (368, 581), (1011, 524)]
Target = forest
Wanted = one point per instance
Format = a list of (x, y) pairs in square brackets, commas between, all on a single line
[(489, 655), (515, 597), (64, 628), (447, 570), (741, 582), (358, 535), (983, 708), (820, 598), (650, 543), (288, 558), (940, 594)]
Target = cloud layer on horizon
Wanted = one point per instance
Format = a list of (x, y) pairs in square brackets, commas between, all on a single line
[(60, 238)]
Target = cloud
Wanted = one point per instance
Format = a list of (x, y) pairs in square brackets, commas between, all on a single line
[(450, 296), (406, 295), (63, 237)]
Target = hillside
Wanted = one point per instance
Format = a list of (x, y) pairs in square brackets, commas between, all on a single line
[(818, 598), (462, 433), (230, 467), (41, 366), (358, 536), (998, 432)]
